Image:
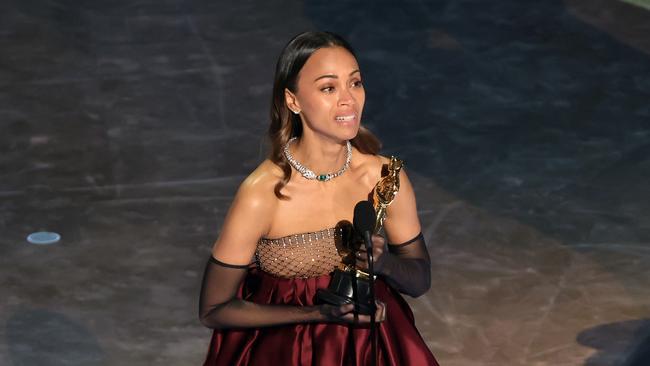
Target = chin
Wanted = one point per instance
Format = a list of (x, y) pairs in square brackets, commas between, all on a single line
[(349, 129), (349, 134)]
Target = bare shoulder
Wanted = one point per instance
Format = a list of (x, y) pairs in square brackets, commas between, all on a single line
[(249, 216), (266, 174), (372, 167), (369, 167), (256, 191), (403, 176)]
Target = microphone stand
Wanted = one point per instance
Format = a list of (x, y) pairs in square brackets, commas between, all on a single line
[(373, 305)]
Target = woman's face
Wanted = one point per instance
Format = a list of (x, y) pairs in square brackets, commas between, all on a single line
[(330, 95)]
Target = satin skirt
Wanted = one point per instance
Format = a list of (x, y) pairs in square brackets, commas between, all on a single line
[(322, 344)]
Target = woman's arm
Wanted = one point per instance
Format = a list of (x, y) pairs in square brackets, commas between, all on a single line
[(406, 264), (219, 305)]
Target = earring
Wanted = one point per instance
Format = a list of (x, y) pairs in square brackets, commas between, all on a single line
[(295, 112)]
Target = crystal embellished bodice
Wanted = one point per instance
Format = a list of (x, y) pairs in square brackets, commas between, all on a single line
[(301, 255)]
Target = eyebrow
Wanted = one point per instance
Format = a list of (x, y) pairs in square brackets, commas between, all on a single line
[(333, 76)]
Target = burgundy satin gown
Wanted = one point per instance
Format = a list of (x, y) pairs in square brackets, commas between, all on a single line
[(322, 344)]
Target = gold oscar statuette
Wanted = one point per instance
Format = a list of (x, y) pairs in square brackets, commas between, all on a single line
[(386, 190), (349, 284)]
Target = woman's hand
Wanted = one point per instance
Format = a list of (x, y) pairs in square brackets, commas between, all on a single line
[(378, 248), (345, 313)]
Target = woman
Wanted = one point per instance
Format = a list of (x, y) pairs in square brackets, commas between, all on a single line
[(265, 312)]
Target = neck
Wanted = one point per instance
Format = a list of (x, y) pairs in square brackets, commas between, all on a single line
[(321, 155)]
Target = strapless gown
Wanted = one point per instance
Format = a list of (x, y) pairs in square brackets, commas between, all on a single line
[(322, 344)]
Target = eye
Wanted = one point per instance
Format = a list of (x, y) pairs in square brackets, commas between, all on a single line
[(357, 84), (327, 89)]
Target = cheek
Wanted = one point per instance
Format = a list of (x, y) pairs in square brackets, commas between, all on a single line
[(361, 98), (317, 104)]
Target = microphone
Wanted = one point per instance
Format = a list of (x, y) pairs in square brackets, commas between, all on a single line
[(364, 223)]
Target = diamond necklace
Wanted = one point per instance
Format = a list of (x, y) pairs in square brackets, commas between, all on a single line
[(307, 173)]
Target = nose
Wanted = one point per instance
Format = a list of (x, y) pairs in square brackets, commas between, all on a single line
[(346, 97)]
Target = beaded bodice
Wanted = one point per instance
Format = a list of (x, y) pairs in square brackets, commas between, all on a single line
[(301, 255)]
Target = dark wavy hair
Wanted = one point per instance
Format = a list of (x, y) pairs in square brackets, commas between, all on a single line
[(285, 124)]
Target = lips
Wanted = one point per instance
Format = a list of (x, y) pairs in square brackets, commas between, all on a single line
[(346, 117)]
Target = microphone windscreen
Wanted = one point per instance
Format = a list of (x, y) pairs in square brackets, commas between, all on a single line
[(364, 217)]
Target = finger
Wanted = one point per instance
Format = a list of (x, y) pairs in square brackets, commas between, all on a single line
[(345, 309), (361, 264), (356, 318), (380, 314), (361, 260), (378, 241), (377, 251)]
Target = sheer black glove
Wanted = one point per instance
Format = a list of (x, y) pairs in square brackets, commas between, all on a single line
[(406, 266), (221, 307)]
